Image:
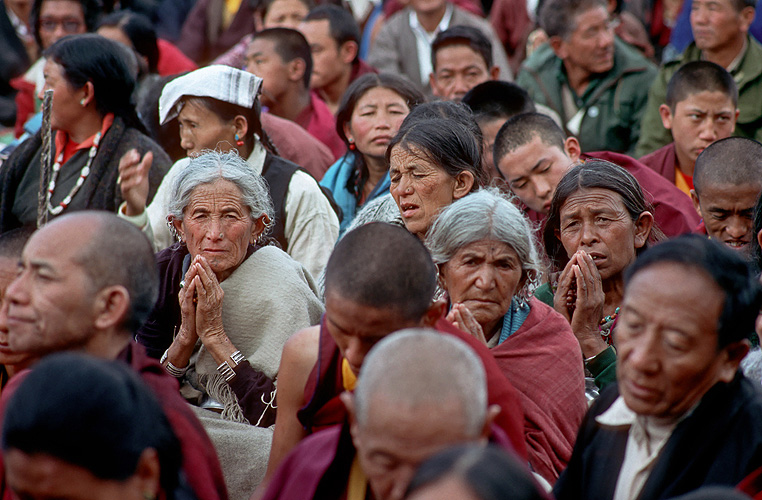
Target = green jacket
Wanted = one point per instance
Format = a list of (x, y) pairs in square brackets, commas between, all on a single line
[(748, 77), (613, 102)]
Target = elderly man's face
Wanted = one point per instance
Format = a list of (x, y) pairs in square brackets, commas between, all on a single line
[(394, 440), (590, 47), (51, 304), (666, 338)]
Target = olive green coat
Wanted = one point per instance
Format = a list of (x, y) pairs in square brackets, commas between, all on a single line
[(748, 77), (613, 102)]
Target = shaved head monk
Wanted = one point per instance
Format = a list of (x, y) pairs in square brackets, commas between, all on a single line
[(379, 279), (727, 181), (418, 393)]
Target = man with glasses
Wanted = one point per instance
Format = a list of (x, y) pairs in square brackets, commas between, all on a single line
[(596, 83)]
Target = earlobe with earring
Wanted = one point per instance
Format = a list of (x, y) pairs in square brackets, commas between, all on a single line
[(82, 102), (238, 141)]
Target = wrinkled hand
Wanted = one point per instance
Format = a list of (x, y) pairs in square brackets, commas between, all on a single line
[(464, 319), (187, 333), (580, 299), (133, 175), (209, 301)]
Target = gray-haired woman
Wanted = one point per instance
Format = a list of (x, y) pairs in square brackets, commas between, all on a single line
[(487, 261), (220, 209)]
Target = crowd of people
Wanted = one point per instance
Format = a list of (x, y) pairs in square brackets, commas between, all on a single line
[(380, 250)]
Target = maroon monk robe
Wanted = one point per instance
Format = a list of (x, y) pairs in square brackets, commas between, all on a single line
[(673, 209), (200, 464), (319, 466), (325, 409), (543, 360)]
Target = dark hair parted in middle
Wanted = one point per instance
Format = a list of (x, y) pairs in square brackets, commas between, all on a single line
[(445, 134), (589, 175), (397, 84), (100, 61)]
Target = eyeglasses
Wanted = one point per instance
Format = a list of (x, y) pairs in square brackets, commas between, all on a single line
[(70, 25)]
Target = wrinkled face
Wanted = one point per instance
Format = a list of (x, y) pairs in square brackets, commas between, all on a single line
[(447, 488), (590, 47), (717, 25), (490, 128), (66, 109), (356, 327), (44, 477), (533, 171), (59, 18), (420, 188), (327, 66), (218, 225), (484, 276), (728, 213), (666, 337), (459, 68), (376, 118), (698, 121), (51, 303), (395, 440), (595, 220), (201, 129), (263, 61), (285, 14)]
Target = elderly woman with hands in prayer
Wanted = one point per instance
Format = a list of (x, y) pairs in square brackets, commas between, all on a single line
[(227, 303), (488, 263), (599, 221)]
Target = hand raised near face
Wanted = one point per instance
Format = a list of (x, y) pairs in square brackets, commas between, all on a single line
[(209, 300), (580, 299), (464, 319), (133, 180)]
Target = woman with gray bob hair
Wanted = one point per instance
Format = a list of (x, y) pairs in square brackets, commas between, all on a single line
[(488, 263), (226, 351), (211, 166)]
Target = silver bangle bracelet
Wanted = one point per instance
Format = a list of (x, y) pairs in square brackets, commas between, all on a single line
[(226, 370), (172, 369)]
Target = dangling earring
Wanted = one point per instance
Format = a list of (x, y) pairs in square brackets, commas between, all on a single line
[(352, 146), (238, 141)]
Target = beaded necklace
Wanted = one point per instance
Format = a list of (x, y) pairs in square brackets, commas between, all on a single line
[(81, 180), (607, 324)]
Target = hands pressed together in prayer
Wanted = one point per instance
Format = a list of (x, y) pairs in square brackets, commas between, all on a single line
[(201, 310), (580, 299)]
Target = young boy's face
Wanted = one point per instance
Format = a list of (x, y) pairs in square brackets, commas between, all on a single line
[(698, 121)]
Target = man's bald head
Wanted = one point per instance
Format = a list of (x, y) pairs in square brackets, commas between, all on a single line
[(118, 253), (421, 367), (419, 392), (734, 160), (383, 266)]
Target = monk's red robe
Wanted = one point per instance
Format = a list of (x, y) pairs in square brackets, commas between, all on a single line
[(324, 408), (319, 466), (543, 360), (200, 464)]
